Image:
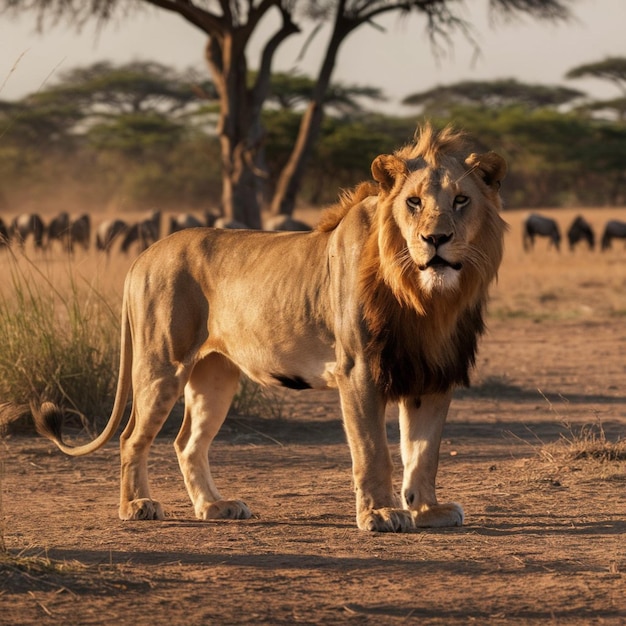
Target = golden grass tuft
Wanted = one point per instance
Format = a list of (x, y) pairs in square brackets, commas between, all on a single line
[(588, 441)]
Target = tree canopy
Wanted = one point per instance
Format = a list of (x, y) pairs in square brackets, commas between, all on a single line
[(612, 69), (129, 88), (292, 90), (493, 94)]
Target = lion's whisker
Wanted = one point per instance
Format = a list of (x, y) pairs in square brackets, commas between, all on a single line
[(403, 260), (466, 174)]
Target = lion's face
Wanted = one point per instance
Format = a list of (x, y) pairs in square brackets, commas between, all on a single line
[(445, 217)]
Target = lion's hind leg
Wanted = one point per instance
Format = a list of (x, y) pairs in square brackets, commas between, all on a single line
[(208, 395), (152, 405)]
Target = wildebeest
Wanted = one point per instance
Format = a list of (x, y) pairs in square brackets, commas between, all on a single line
[(581, 230), (59, 230), (182, 221), (539, 225), (285, 222), (613, 229), (80, 232), (107, 232), (145, 233), (28, 224)]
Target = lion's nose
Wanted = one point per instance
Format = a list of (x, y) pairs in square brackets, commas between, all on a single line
[(437, 239)]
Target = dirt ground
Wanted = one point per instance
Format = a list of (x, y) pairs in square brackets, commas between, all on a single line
[(544, 537)]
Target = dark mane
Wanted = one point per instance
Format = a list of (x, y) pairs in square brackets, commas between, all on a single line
[(401, 363), (413, 353)]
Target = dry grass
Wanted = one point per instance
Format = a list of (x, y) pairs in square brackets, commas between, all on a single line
[(56, 329), (585, 450), (32, 570), (588, 441)]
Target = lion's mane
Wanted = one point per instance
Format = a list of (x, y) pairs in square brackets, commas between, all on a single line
[(420, 343)]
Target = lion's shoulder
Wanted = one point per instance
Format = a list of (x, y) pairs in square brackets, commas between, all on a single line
[(333, 215)]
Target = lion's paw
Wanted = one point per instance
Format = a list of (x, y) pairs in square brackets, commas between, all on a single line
[(439, 516), (386, 520), (225, 509), (142, 509)]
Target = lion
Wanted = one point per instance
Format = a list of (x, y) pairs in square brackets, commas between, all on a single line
[(383, 301)]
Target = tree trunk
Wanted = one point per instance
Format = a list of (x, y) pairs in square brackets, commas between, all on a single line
[(240, 129), (228, 67), (290, 179)]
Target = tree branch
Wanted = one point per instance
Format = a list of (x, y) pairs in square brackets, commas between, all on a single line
[(206, 21)]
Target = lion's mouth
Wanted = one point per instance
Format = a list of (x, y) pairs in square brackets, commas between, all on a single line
[(439, 262)]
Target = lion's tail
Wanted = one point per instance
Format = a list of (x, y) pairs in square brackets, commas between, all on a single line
[(48, 417)]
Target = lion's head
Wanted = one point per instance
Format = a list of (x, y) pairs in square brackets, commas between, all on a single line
[(440, 234), (435, 248)]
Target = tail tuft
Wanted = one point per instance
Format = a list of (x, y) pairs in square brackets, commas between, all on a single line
[(48, 419)]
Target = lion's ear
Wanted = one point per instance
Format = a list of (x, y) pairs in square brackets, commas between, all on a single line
[(491, 167), (386, 168)]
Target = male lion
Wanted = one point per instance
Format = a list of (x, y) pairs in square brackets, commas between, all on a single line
[(384, 300)]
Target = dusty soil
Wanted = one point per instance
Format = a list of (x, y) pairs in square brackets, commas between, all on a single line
[(544, 538)]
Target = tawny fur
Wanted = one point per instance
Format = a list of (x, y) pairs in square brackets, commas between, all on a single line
[(384, 300)]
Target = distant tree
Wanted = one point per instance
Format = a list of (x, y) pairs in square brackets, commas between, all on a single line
[(343, 155), (612, 69), (604, 159), (136, 135), (494, 94), (230, 25), (291, 90), (614, 107), (131, 88), (47, 125), (98, 93)]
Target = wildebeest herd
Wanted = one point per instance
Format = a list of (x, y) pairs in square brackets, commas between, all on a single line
[(580, 231), (71, 232)]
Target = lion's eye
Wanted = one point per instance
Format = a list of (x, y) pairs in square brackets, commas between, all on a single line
[(460, 202), (414, 203)]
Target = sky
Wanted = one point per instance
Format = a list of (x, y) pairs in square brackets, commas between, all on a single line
[(399, 61)]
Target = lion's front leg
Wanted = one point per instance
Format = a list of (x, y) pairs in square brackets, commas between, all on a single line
[(364, 419), (421, 426)]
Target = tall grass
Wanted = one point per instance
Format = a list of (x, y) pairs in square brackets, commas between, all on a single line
[(58, 344)]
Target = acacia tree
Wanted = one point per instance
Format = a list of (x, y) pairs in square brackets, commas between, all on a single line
[(612, 69), (122, 104), (290, 91), (494, 94), (229, 26), (134, 87)]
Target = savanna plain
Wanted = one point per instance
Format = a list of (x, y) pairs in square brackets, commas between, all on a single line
[(533, 451)]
